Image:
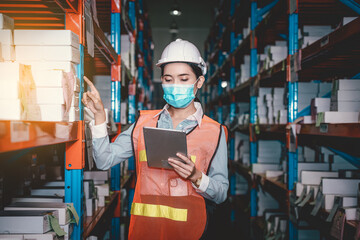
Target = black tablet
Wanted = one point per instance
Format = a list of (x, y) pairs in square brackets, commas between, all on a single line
[(161, 144)]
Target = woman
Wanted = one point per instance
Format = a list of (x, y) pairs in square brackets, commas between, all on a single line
[(169, 204)]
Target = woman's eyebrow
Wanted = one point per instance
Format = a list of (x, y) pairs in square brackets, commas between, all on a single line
[(183, 74)]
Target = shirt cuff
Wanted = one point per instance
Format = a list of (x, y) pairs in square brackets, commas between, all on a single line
[(98, 131), (204, 183)]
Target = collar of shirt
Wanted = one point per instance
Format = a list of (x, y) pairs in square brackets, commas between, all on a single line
[(197, 116)]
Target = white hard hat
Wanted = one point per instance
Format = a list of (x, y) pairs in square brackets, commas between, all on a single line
[(182, 51)]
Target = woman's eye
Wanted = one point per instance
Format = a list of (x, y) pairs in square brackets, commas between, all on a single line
[(167, 80), (184, 80)]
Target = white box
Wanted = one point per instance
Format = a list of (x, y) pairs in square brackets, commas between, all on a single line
[(47, 53), (348, 96), (343, 187), (102, 190), (96, 175), (348, 106), (30, 221), (48, 78), (57, 192), (11, 72), (347, 84), (37, 199), (52, 113), (273, 174), (346, 201), (311, 167), (314, 177), (46, 38), (6, 37), (90, 206), (61, 208), (66, 66), (46, 95), (74, 114), (263, 167), (308, 120), (341, 117), (101, 201), (6, 22), (350, 213), (8, 52), (10, 109), (322, 102)]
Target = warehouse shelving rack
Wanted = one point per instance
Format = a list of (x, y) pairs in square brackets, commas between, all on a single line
[(116, 18), (337, 52)]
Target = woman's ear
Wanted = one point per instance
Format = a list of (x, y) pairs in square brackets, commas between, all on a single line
[(200, 82)]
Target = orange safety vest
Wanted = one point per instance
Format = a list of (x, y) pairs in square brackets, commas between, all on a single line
[(165, 206)]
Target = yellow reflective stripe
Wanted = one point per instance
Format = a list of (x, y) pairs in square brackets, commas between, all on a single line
[(142, 156), (193, 158), (161, 211)]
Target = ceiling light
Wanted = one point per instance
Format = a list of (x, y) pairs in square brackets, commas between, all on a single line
[(175, 10), (224, 84)]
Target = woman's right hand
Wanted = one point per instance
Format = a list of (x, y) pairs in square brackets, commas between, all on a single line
[(92, 100)]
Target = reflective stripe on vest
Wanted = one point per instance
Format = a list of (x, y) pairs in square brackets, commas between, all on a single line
[(160, 211), (165, 206)]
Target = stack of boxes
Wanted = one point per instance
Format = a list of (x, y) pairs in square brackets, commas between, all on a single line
[(242, 148), (41, 85), (100, 179), (50, 53), (342, 106), (309, 34), (245, 70), (262, 106), (275, 54), (269, 158), (274, 102)]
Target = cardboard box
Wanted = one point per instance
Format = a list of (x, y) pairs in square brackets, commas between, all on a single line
[(302, 166), (8, 52), (46, 38), (61, 208), (90, 206), (346, 84), (6, 22), (263, 167), (314, 177), (37, 199), (340, 117), (46, 95), (6, 37), (102, 190), (66, 66), (47, 53), (30, 221), (10, 109), (57, 192), (52, 113), (341, 187), (96, 175), (348, 96), (348, 106)]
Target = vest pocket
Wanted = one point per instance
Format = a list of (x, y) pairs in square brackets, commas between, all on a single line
[(178, 187)]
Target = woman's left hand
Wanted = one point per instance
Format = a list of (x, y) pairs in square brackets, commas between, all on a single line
[(185, 169)]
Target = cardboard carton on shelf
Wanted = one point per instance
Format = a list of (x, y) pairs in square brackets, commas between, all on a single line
[(46, 38), (6, 37), (8, 52), (338, 117), (66, 66), (61, 208), (31, 221), (47, 53), (347, 201), (6, 22)]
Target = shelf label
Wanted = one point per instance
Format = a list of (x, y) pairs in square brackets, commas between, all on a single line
[(324, 127), (324, 41), (19, 132)]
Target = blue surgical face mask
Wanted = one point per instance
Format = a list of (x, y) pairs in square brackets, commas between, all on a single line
[(179, 95)]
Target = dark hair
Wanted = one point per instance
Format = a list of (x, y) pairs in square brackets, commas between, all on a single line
[(195, 68)]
